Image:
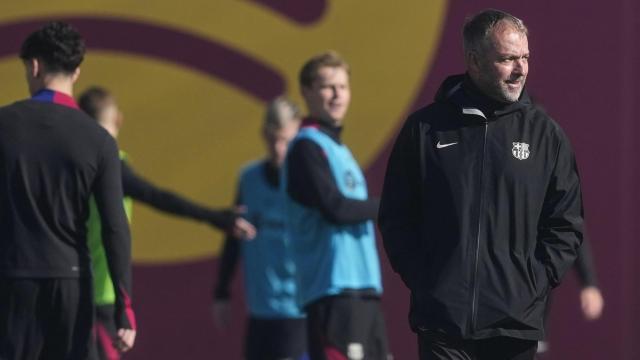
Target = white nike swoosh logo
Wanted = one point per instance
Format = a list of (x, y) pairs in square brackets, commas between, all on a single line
[(440, 146)]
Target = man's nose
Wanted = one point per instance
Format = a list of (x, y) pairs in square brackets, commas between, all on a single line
[(520, 66), (335, 92)]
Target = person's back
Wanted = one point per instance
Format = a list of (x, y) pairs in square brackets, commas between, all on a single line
[(50, 154), (52, 159)]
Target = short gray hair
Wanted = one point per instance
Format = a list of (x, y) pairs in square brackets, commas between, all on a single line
[(478, 28), (280, 112)]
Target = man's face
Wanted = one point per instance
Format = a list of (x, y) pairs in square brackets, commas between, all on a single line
[(329, 95), (111, 118), (500, 69), (278, 141)]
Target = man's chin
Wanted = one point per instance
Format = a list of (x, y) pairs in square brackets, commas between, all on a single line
[(332, 119), (339, 116), (515, 97), (509, 96)]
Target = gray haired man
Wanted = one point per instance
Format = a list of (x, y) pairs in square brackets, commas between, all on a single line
[(481, 209)]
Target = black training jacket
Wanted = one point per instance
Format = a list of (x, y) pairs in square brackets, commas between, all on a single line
[(481, 213), (52, 159)]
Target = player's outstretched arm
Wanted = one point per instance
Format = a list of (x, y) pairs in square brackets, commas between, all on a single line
[(221, 307), (144, 191)]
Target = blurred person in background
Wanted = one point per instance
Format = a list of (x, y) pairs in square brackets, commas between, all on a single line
[(590, 297), (330, 220), (101, 105), (276, 325)]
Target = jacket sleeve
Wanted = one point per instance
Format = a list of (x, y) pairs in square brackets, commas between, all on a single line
[(560, 227), (227, 268), (311, 183), (142, 190), (400, 207), (584, 265), (107, 190), (228, 263)]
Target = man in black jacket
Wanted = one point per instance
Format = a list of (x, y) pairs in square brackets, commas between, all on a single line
[(52, 159), (481, 210)]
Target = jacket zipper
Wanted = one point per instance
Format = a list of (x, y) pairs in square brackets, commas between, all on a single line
[(474, 299)]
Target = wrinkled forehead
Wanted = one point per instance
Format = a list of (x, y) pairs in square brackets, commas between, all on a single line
[(505, 36)]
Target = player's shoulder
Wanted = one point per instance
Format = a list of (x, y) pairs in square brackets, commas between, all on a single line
[(81, 127), (308, 143), (434, 111), (85, 126), (252, 168), (12, 109), (55, 115), (538, 116), (310, 135)]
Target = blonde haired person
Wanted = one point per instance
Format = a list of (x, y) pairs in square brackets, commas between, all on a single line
[(276, 324), (330, 215)]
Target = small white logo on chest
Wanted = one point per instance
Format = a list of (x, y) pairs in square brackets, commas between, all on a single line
[(520, 150), (440, 146)]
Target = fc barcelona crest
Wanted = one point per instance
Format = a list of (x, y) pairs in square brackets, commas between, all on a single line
[(350, 180), (520, 150)]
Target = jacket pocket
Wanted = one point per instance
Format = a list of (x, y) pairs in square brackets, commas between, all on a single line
[(540, 278)]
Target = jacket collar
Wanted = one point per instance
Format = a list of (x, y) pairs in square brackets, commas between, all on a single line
[(462, 92), (56, 97), (334, 132)]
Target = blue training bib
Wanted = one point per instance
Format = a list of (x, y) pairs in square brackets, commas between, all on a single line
[(269, 270), (330, 258)]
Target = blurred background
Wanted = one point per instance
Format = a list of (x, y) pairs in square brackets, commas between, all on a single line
[(192, 79)]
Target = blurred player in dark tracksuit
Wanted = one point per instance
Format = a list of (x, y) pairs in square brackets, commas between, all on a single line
[(276, 327), (591, 299)]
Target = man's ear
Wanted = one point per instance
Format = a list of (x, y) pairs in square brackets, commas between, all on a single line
[(34, 67), (472, 60), (75, 75)]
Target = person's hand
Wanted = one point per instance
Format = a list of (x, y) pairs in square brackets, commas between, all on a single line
[(221, 312), (591, 302), (125, 339), (242, 229)]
